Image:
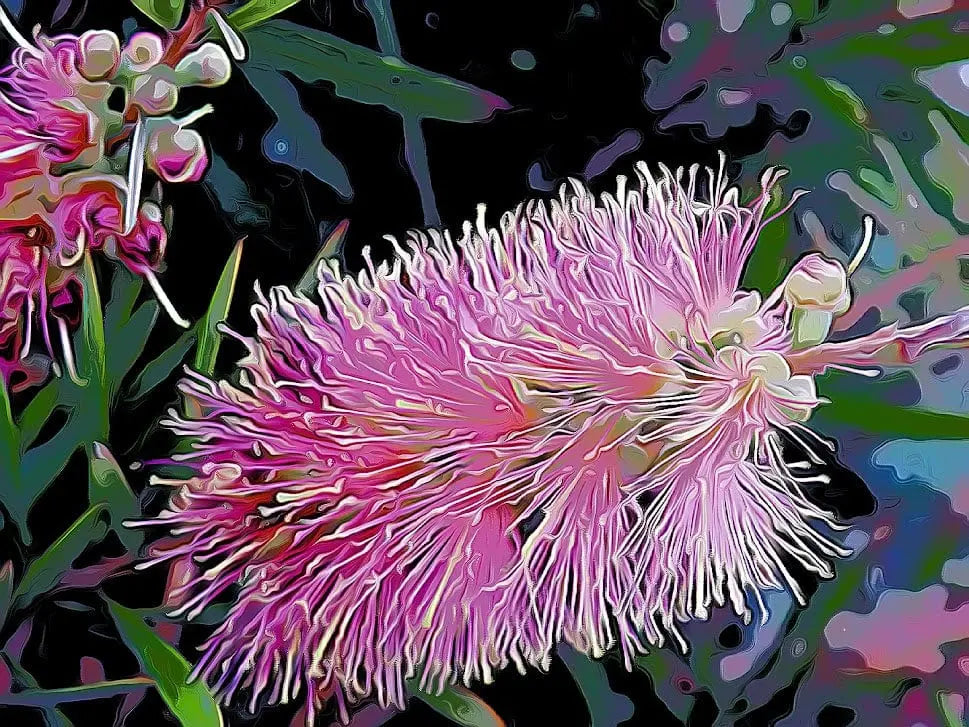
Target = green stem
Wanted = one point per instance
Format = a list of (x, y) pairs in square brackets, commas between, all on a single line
[(97, 690)]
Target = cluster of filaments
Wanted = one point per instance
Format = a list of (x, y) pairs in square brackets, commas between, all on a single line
[(567, 428)]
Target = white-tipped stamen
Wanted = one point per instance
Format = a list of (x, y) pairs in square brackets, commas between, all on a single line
[(136, 170), (28, 329), (869, 234), (194, 116), (16, 151), (15, 35), (166, 303), (69, 353), (69, 262), (237, 49)]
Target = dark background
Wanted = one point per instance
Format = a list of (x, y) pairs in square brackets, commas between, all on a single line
[(586, 88)]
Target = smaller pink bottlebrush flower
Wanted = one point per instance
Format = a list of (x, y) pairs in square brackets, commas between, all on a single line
[(58, 134), (575, 426)]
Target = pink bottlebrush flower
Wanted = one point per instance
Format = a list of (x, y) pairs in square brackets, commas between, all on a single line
[(566, 428)]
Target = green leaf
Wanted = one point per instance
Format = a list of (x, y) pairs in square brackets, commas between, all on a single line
[(607, 708), (90, 354), (767, 264), (460, 705), (364, 75), (38, 411), (235, 198), (191, 703), (167, 13), (665, 669), (46, 571), (127, 343), (258, 11), (108, 486), (125, 288), (332, 247), (161, 367), (864, 412), (9, 433), (295, 139), (864, 409), (208, 333)]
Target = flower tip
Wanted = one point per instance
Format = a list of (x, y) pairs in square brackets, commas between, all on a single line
[(237, 48), (868, 223), (136, 170), (165, 301)]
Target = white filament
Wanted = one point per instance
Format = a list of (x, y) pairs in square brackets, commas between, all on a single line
[(869, 223), (164, 300), (15, 35), (136, 170), (69, 353)]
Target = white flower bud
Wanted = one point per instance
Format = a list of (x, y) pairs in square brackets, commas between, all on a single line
[(100, 54), (817, 283), (143, 52), (154, 94), (207, 65)]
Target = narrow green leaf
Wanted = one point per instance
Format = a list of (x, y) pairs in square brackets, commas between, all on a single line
[(125, 288), (258, 11), (38, 411), (191, 703), (208, 333), (46, 571), (9, 433), (864, 412), (162, 366), (127, 344), (41, 464), (948, 710), (460, 705), (865, 409), (332, 247), (51, 697), (167, 13), (108, 486), (296, 139), (90, 356), (367, 76)]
